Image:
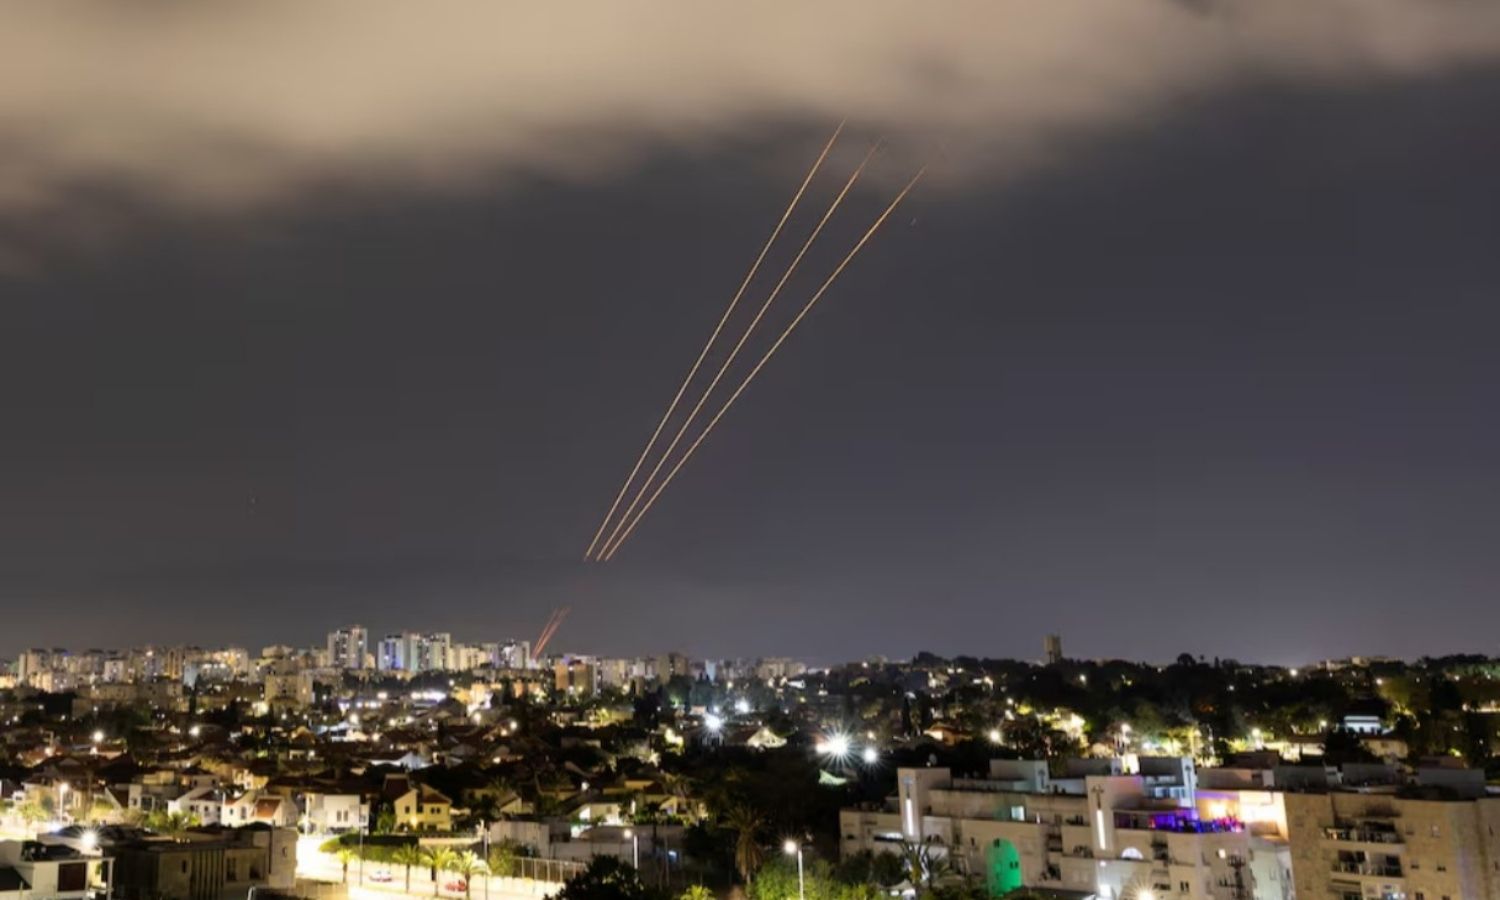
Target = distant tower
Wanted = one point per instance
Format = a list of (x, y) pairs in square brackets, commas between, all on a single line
[(1052, 645), (347, 647)]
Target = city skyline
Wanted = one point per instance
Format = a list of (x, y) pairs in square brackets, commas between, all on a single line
[(1184, 350)]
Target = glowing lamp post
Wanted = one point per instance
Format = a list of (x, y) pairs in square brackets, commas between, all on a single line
[(793, 848), (635, 848)]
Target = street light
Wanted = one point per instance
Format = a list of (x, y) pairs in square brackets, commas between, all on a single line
[(635, 848), (793, 848)]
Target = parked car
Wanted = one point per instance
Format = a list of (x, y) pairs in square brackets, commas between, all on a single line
[(382, 876)]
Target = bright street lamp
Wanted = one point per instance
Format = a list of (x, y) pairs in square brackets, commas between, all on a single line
[(635, 847), (792, 848)]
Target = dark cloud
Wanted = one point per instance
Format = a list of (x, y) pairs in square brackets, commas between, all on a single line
[(220, 108)]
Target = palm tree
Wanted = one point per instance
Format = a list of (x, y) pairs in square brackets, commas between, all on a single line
[(746, 823), (438, 858), (409, 856), (467, 864), (346, 855), (173, 825), (924, 867)]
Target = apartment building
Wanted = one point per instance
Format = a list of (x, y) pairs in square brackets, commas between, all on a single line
[(1102, 828), (1437, 838)]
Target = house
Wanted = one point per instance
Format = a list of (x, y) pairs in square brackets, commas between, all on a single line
[(38, 871), (334, 813), (259, 807), (206, 804), (423, 809)]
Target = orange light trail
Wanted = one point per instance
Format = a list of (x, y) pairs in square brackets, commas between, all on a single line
[(610, 548), (734, 353), (554, 622), (702, 354)]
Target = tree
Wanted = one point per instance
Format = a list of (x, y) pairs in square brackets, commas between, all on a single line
[(923, 866), (502, 861), (1342, 746), (346, 855), (606, 878), (31, 812), (696, 892), (174, 825), (100, 810), (746, 823), (438, 859), (408, 856), (467, 864), (385, 821)]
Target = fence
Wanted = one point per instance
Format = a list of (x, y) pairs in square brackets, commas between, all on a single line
[(537, 869)]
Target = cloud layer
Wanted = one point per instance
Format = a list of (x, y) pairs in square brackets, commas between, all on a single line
[(228, 105)]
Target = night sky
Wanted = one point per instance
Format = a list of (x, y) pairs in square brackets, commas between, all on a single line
[(1216, 376)]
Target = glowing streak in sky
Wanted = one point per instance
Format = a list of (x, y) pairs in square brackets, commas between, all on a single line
[(739, 345), (702, 354), (609, 550), (553, 623)]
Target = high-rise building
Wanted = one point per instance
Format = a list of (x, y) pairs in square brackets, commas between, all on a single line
[(412, 652), (576, 676), (515, 655), (397, 652), (347, 647), (434, 653), (1052, 646)]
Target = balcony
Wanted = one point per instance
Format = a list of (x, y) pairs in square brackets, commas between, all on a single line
[(1176, 822), (1387, 869), (1362, 835)]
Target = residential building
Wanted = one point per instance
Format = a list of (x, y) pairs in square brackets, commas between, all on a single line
[(422, 808), (576, 677), (347, 647), (203, 865), (288, 685), (1436, 839), (334, 813), (50, 871), (1095, 829)]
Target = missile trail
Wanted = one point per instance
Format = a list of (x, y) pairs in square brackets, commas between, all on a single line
[(702, 354), (734, 353), (609, 551), (553, 623)]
